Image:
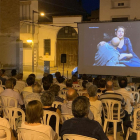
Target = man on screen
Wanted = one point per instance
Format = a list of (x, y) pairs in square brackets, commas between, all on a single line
[(107, 55)]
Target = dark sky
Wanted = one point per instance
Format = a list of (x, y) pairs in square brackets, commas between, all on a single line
[(90, 5)]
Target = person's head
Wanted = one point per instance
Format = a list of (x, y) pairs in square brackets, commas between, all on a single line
[(96, 82), (46, 85), (9, 84), (102, 83), (32, 75), (37, 88), (120, 31), (34, 112), (50, 78), (115, 42), (45, 74), (74, 78), (84, 77), (71, 94), (80, 107), (84, 84), (13, 72), (30, 81), (109, 85), (60, 79), (20, 76), (3, 71), (69, 83), (90, 79), (13, 80), (55, 89), (92, 91), (47, 98), (123, 82), (57, 74)]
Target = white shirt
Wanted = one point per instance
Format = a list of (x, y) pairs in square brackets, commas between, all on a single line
[(28, 89), (13, 94), (128, 97), (41, 128), (20, 85), (5, 123)]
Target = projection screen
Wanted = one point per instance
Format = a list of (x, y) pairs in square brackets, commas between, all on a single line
[(109, 48)]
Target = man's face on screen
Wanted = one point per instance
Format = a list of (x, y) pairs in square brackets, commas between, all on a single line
[(120, 33)]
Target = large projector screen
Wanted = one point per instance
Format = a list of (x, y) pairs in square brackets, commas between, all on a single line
[(109, 48)]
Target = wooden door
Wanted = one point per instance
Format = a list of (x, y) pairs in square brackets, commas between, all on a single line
[(68, 47)]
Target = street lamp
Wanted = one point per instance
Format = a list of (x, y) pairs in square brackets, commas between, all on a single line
[(33, 31)]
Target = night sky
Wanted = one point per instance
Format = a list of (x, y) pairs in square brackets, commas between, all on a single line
[(90, 5)]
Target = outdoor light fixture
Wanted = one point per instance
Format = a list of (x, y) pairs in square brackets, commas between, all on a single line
[(42, 14), (29, 41)]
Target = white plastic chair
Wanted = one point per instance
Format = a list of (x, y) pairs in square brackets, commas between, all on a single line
[(7, 101), (80, 93), (28, 134), (136, 124), (75, 85), (49, 114), (11, 113), (56, 104), (65, 117), (76, 137), (7, 131), (108, 106), (136, 96)]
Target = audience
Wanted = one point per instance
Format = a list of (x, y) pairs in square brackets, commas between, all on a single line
[(34, 114), (1, 78), (80, 124), (10, 93), (102, 88), (61, 80), (14, 73), (3, 74), (14, 83), (75, 79)]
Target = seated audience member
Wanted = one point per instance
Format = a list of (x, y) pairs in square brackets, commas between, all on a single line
[(90, 79), (84, 91), (84, 78), (47, 99), (46, 85), (80, 124), (35, 95), (96, 82), (75, 79), (55, 90), (1, 78), (57, 74), (20, 84), (115, 82), (102, 88), (10, 93), (128, 97), (32, 75), (69, 84), (34, 114), (3, 74), (5, 123), (94, 102), (14, 73), (61, 82), (45, 74), (14, 83), (66, 107), (110, 94), (30, 82), (50, 78)]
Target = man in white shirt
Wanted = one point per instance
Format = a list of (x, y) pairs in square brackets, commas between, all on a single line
[(9, 92), (127, 95)]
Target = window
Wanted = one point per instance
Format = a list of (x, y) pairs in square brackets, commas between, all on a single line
[(47, 47), (120, 4)]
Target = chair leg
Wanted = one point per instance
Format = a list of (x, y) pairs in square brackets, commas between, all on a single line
[(122, 127), (127, 135), (115, 130), (105, 125)]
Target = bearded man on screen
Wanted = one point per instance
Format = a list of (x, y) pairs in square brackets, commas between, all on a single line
[(107, 55)]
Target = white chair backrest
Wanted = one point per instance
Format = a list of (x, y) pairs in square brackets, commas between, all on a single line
[(47, 116), (11, 113), (108, 106), (7, 131), (9, 101), (65, 117), (56, 104), (28, 134), (76, 137), (75, 85), (136, 96), (136, 119)]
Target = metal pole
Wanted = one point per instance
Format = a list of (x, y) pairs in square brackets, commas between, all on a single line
[(33, 40)]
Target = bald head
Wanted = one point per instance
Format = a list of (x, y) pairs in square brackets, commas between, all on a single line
[(109, 85), (115, 41), (71, 94)]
